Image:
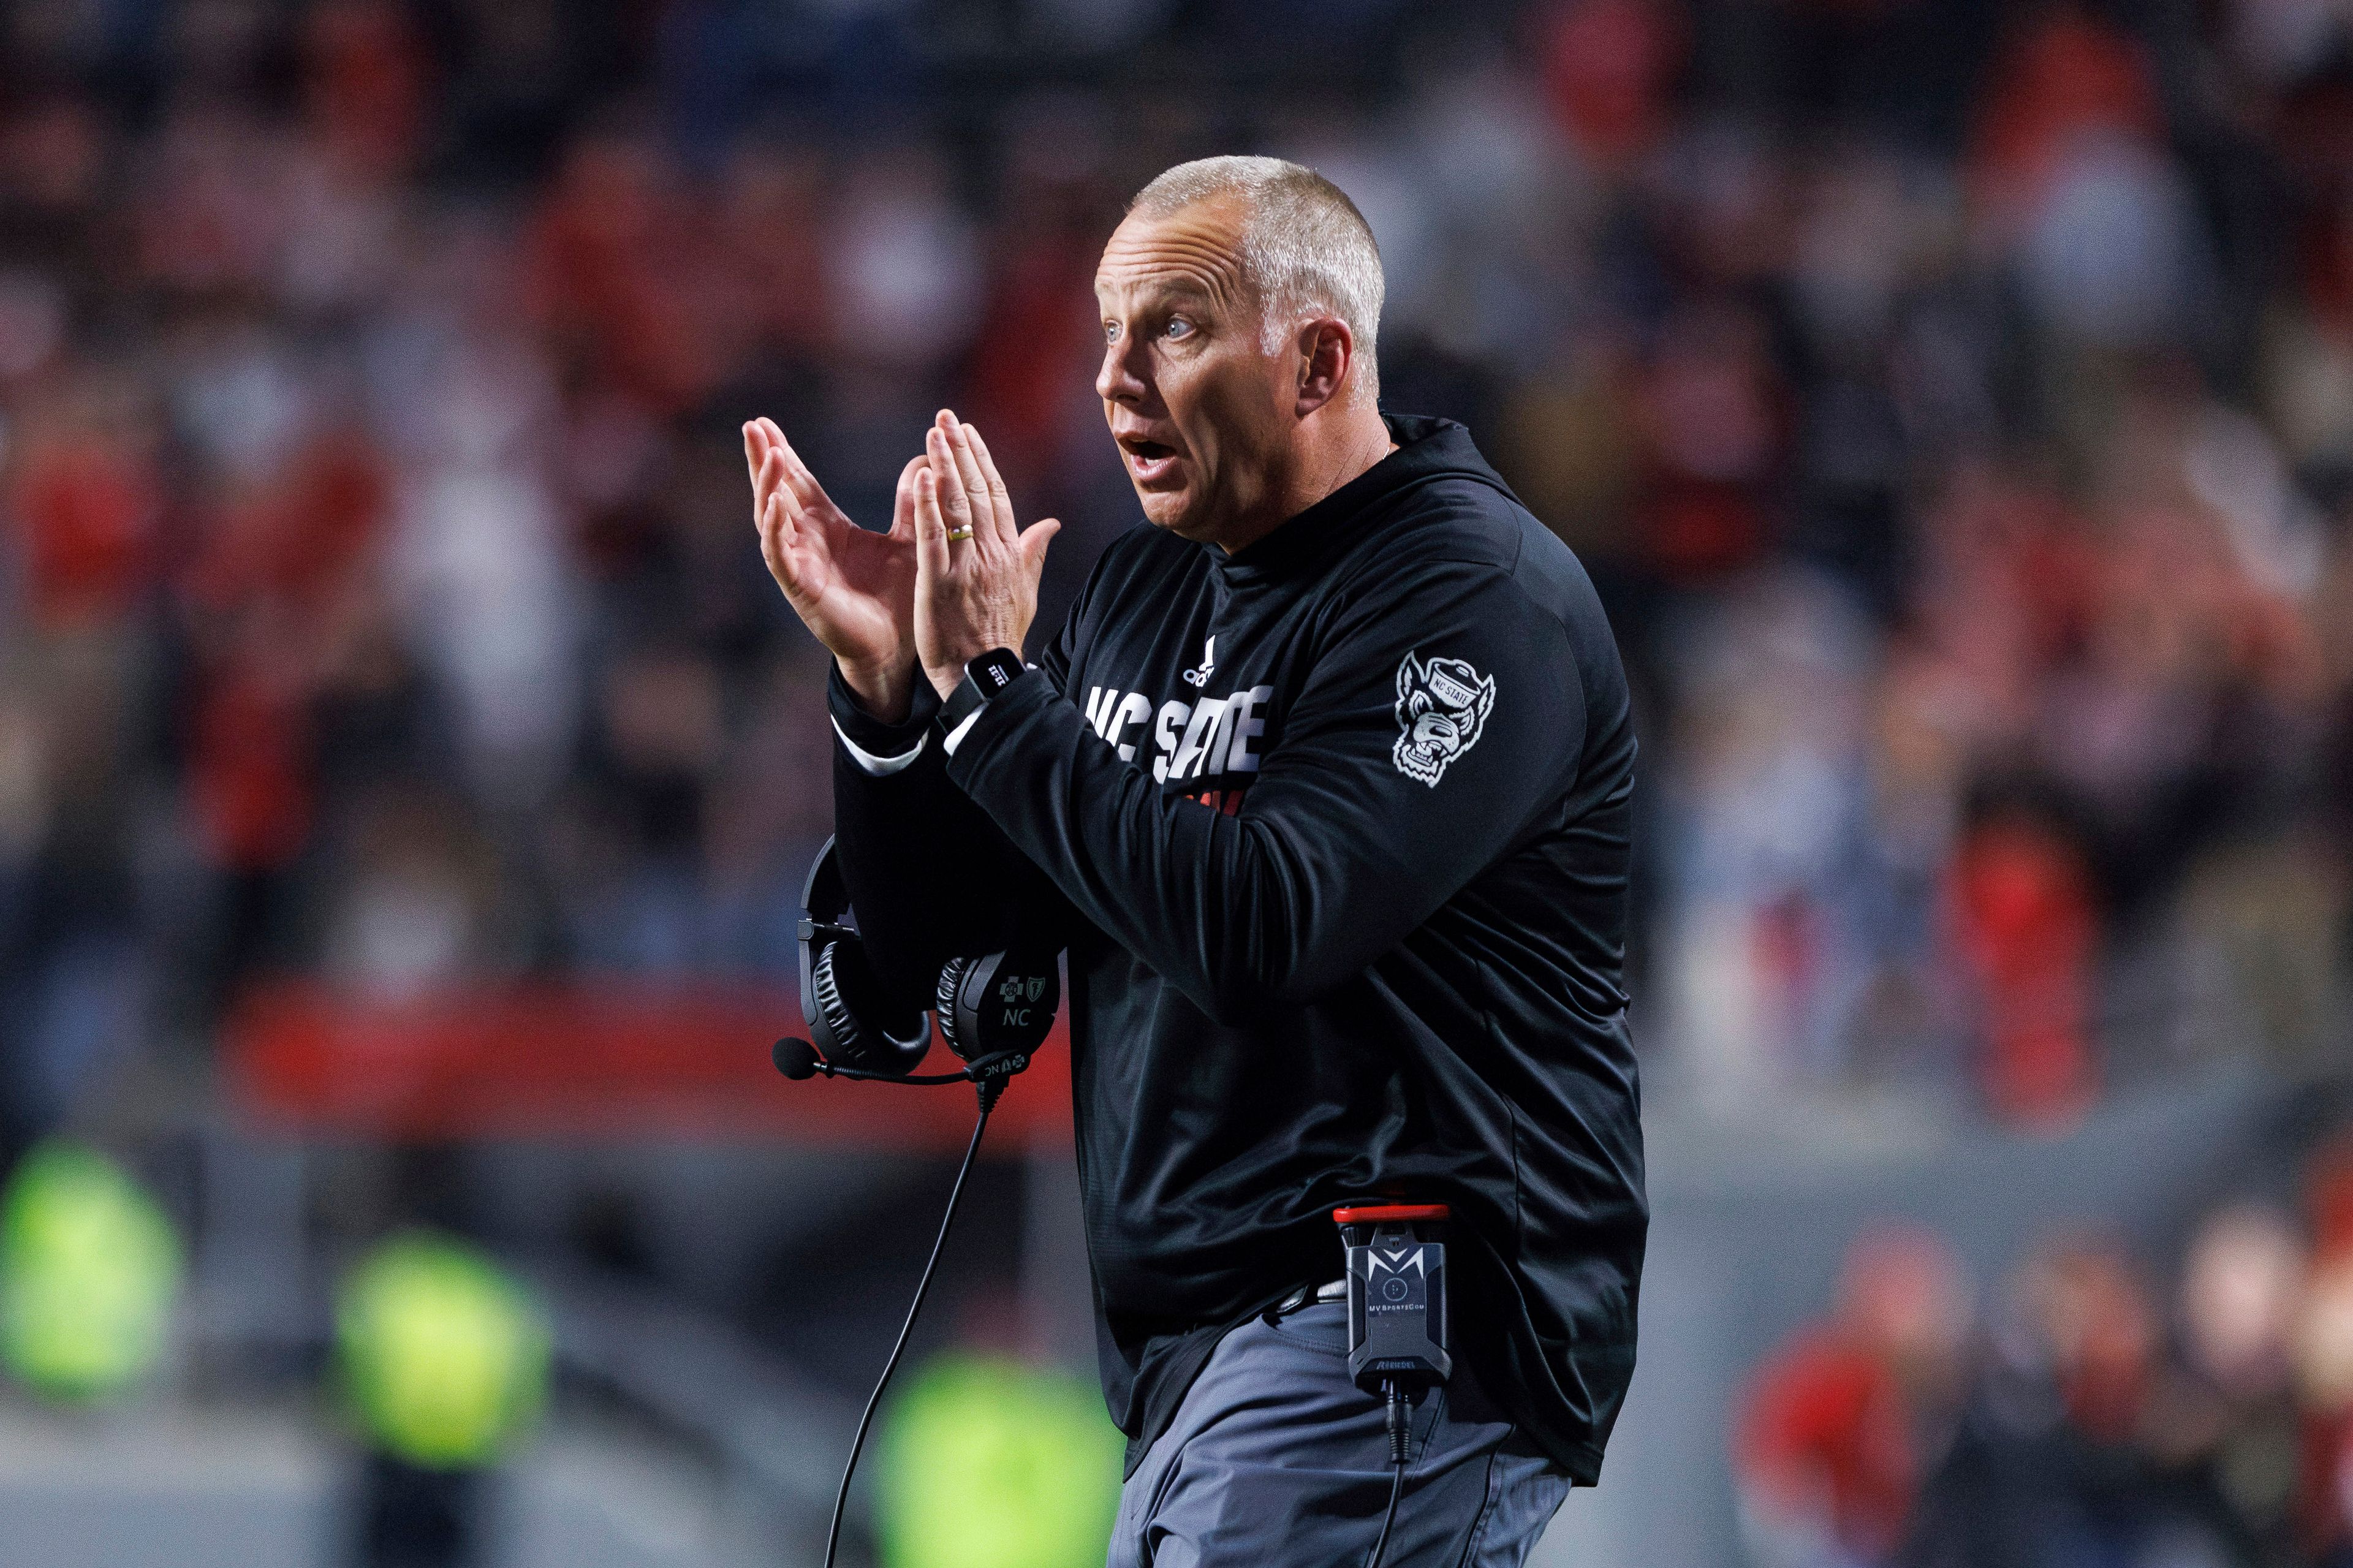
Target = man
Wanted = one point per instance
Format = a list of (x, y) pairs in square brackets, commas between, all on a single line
[(1324, 784)]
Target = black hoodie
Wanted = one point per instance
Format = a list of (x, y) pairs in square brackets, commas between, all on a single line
[(1335, 830)]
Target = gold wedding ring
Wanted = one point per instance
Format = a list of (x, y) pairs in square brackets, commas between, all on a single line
[(957, 535)]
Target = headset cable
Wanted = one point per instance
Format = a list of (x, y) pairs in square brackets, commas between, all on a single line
[(990, 1087), (1400, 1435)]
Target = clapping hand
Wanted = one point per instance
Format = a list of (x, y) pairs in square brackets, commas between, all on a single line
[(854, 589), (975, 572)]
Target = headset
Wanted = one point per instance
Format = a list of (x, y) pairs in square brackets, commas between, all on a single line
[(994, 1011)]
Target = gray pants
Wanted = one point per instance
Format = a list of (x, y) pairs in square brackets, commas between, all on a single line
[(1277, 1461)]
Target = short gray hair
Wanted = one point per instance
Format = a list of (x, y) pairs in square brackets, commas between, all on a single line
[(1305, 248)]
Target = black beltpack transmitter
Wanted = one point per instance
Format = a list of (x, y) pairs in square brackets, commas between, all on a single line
[(1397, 1294)]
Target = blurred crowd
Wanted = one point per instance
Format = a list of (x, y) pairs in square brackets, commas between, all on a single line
[(1953, 399), (2085, 1416)]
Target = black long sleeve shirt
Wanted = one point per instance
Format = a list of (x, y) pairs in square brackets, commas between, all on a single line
[(1335, 830)]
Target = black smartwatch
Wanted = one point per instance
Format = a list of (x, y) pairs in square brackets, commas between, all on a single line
[(984, 677)]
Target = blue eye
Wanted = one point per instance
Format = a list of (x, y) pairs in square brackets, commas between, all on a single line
[(1179, 327)]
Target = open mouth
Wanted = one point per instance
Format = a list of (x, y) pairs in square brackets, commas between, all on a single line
[(1149, 462)]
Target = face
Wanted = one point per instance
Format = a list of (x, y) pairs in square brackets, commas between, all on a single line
[(1203, 413)]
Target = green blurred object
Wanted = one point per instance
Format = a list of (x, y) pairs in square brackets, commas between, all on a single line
[(445, 1357), (991, 1463), (89, 1270)]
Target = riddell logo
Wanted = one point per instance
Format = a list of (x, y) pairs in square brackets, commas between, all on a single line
[(1208, 663)]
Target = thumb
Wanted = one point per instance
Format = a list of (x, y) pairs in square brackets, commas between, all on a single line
[(1034, 540)]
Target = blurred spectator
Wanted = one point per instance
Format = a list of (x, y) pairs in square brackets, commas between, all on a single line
[(444, 1361), (1839, 1424), (2023, 917), (2086, 1426), (2069, 1454), (2228, 1421)]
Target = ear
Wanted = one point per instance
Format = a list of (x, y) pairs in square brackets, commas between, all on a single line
[(1327, 350)]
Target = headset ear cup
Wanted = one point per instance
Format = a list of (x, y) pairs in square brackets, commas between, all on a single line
[(947, 998), (972, 997), (850, 995), (998, 1001), (840, 1022)]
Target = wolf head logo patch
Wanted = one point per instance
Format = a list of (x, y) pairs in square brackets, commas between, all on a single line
[(1441, 706)]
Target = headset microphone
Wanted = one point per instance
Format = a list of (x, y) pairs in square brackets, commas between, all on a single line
[(798, 1059), (994, 1010)]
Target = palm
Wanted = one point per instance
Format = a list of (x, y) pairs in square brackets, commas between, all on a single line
[(855, 589)]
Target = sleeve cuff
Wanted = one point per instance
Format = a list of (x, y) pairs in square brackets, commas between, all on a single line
[(1030, 690), (878, 748), (955, 738), (877, 767)]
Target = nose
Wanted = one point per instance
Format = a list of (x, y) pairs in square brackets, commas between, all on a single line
[(1120, 379)]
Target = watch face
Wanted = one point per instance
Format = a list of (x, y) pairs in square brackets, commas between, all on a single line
[(984, 677), (994, 670)]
